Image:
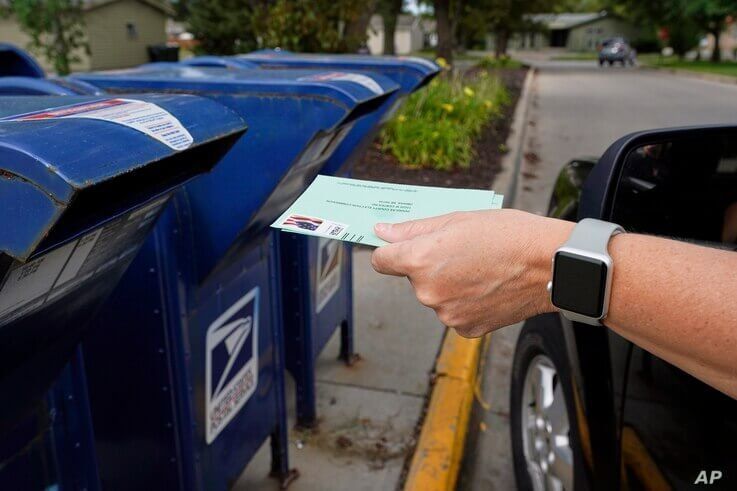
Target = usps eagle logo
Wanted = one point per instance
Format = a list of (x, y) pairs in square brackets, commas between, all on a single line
[(302, 222), (231, 363), (329, 261)]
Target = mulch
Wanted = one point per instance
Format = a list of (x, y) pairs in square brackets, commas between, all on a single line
[(488, 150)]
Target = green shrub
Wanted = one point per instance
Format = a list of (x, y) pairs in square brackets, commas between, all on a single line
[(504, 61), (436, 127)]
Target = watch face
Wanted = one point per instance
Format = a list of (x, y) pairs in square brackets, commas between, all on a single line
[(579, 283)]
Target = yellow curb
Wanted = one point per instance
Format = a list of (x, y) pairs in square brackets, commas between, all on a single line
[(439, 450)]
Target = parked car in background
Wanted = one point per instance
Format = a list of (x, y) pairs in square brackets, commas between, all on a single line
[(591, 410), (616, 50)]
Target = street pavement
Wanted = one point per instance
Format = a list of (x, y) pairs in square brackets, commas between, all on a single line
[(576, 109)]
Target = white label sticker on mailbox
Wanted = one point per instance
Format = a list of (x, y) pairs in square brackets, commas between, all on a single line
[(329, 262), (29, 286), (362, 80), (231, 363), (148, 118)]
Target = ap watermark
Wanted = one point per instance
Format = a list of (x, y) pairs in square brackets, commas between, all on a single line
[(708, 477)]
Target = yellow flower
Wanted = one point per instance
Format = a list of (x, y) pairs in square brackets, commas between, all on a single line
[(442, 62), (468, 91), (401, 118), (447, 107), (488, 103)]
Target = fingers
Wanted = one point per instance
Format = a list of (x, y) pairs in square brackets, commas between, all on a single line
[(397, 232), (392, 259)]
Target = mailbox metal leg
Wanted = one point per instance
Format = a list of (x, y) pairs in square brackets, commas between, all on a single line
[(306, 393), (347, 350), (280, 436)]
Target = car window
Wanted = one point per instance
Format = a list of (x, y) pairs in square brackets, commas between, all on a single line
[(681, 189)]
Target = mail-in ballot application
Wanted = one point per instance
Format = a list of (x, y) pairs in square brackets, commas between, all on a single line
[(348, 209)]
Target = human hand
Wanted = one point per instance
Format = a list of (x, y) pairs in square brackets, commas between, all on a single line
[(478, 270)]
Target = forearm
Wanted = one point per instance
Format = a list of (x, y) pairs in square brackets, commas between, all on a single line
[(677, 301)]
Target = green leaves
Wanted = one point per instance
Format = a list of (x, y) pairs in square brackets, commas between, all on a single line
[(437, 126), (56, 29), (311, 26), (223, 27)]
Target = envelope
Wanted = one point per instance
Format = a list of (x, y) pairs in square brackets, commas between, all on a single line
[(347, 209)]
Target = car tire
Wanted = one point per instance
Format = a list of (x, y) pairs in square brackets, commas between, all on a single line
[(601, 62), (543, 457), (610, 62)]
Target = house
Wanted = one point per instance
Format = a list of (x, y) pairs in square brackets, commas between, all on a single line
[(574, 31), (118, 33), (410, 34)]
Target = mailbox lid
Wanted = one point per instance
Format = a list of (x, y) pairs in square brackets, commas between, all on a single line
[(346, 88), (59, 155), (232, 62), (19, 86), (16, 62), (409, 71)]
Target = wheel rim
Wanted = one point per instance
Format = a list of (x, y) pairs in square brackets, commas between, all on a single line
[(545, 428)]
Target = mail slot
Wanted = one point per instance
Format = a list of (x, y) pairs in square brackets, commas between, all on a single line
[(212, 364), (77, 205)]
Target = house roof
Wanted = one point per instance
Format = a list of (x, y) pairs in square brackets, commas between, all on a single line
[(160, 5), (566, 20)]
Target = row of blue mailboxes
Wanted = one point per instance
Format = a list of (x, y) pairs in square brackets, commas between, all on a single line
[(147, 312)]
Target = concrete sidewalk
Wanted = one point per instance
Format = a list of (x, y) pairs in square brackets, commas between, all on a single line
[(369, 411)]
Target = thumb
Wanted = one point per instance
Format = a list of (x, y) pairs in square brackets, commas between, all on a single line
[(397, 232)]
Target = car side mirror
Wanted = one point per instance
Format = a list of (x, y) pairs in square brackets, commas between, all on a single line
[(679, 183)]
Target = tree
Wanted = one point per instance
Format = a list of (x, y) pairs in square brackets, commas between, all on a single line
[(506, 17), (444, 30), (330, 26), (579, 5), (710, 15), (223, 27), (356, 29), (390, 10), (684, 20), (56, 29)]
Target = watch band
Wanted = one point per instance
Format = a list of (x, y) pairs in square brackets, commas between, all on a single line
[(591, 235)]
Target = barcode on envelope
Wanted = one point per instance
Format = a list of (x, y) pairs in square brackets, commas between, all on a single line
[(335, 230)]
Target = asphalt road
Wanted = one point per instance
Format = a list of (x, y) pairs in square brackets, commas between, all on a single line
[(576, 109)]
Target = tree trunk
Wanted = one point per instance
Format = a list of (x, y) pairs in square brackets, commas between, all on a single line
[(61, 61), (445, 34), (389, 16), (455, 21), (716, 54), (357, 30), (500, 45)]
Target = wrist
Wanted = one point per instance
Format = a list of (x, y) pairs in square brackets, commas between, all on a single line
[(552, 234)]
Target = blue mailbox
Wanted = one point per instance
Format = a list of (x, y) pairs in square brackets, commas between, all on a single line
[(207, 388), (322, 301), (16, 62), (77, 205), (411, 73)]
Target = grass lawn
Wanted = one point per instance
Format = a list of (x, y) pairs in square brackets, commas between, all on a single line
[(430, 55), (728, 68), (583, 56)]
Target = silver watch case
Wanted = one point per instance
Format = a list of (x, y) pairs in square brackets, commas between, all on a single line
[(604, 258)]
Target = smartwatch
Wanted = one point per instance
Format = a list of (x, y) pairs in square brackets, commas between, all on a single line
[(582, 272)]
